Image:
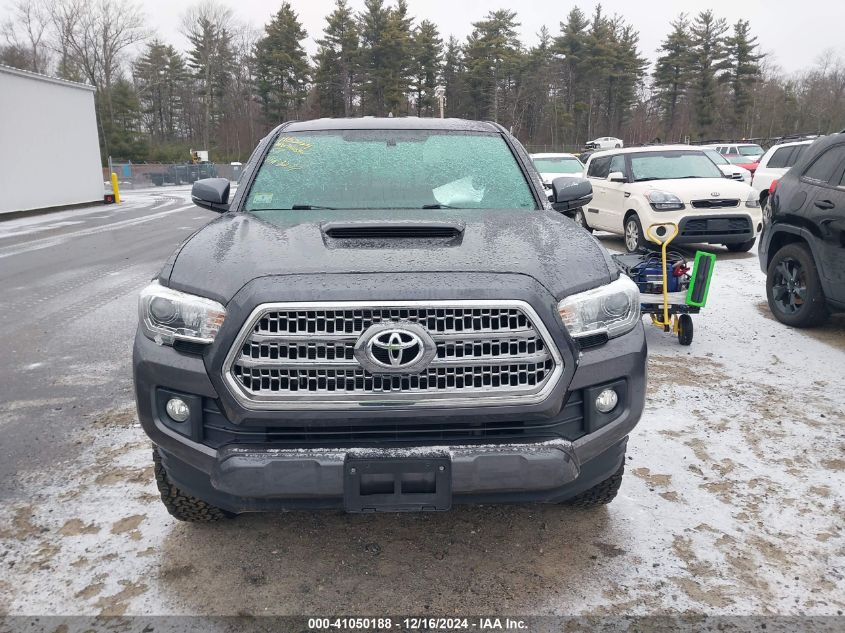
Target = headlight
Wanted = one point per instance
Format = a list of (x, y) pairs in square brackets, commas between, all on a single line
[(167, 315), (753, 202), (664, 201), (614, 309)]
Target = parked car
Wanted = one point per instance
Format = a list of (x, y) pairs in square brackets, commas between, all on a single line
[(636, 187), (802, 248), (380, 321), (727, 167), (751, 151), (605, 142), (742, 161), (553, 166), (774, 164)]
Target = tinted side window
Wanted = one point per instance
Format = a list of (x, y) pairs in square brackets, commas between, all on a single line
[(796, 154), (823, 168), (781, 158), (599, 167)]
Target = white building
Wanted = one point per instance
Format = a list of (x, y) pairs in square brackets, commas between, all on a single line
[(49, 150)]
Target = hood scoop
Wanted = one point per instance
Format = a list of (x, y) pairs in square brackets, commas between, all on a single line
[(399, 230)]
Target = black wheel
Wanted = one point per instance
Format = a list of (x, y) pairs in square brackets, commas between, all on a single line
[(742, 247), (685, 329), (180, 505), (793, 288), (601, 494), (581, 220), (617, 146), (634, 239)]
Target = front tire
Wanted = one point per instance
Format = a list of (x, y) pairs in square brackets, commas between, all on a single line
[(742, 247), (179, 504), (601, 494), (634, 240), (793, 288), (581, 220)]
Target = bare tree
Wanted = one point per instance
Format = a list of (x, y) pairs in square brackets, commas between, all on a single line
[(27, 29)]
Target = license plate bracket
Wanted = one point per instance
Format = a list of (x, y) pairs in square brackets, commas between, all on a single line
[(397, 484)]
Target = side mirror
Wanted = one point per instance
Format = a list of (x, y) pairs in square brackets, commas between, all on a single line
[(569, 192), (212, 194), (617, 176)]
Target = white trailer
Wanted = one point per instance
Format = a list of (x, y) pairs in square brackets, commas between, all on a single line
[(49, 149)]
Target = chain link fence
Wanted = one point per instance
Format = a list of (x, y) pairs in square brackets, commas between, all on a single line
[(144, 175)]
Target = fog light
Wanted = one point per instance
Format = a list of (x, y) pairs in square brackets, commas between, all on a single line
[(179, 411), (605, 402)]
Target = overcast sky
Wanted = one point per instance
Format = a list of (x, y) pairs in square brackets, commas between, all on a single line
[(795, 33)]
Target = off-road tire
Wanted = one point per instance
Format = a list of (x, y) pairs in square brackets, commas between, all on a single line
[(180, 505), (601, 494), (814, 311), (742, 247)]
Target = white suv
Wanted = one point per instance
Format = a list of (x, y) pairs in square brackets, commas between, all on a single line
[(774, 164), (636, 187), (751, 150)]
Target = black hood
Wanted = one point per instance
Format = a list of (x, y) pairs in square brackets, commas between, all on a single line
[(230, 252)]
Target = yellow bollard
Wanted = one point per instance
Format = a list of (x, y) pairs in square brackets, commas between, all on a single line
[(115, 189)]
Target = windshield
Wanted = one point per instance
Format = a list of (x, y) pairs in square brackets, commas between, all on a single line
[(672, 164), (389, 169), (750, 150), (716, 157), (559, 165)]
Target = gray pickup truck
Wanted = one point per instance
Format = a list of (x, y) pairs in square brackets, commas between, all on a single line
[(389, 315)]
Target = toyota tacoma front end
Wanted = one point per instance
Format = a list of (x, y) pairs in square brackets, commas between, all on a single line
[(387, 317)]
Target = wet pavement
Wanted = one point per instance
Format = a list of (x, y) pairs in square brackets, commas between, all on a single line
[(732, 502)]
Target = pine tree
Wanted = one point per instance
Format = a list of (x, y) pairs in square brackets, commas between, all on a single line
[(282, 66), (211, 60), (159, 76), (572, 44), (398, 50), (743, 71), (454, 79), (493, 54), (673, 72), (336, 63), (373, 25), (427, 54), (708, 60)]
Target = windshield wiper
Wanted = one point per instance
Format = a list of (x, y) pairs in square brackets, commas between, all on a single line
[(309, 207), (647, 179), (440, 206)]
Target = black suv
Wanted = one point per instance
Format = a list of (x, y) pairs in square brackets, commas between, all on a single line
[(802, 248), (388, 316)]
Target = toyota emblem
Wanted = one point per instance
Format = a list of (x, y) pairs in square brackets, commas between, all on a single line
[(395, 347)]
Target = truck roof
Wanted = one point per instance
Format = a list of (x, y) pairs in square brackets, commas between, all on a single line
[(390, 123)]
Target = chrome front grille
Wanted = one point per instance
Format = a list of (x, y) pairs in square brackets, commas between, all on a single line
[(301, 356)]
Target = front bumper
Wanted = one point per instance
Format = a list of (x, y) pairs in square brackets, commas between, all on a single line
[(265, 477)]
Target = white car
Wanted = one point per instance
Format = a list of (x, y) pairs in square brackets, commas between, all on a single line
[(636, 187), (553, 166), (727, 167), (750, 150), (774, 164), (605, 142)]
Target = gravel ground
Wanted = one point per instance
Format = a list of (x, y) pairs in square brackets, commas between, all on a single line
[(732, 502)]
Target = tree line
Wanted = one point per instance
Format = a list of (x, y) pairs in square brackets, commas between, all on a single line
[(587, 78)]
